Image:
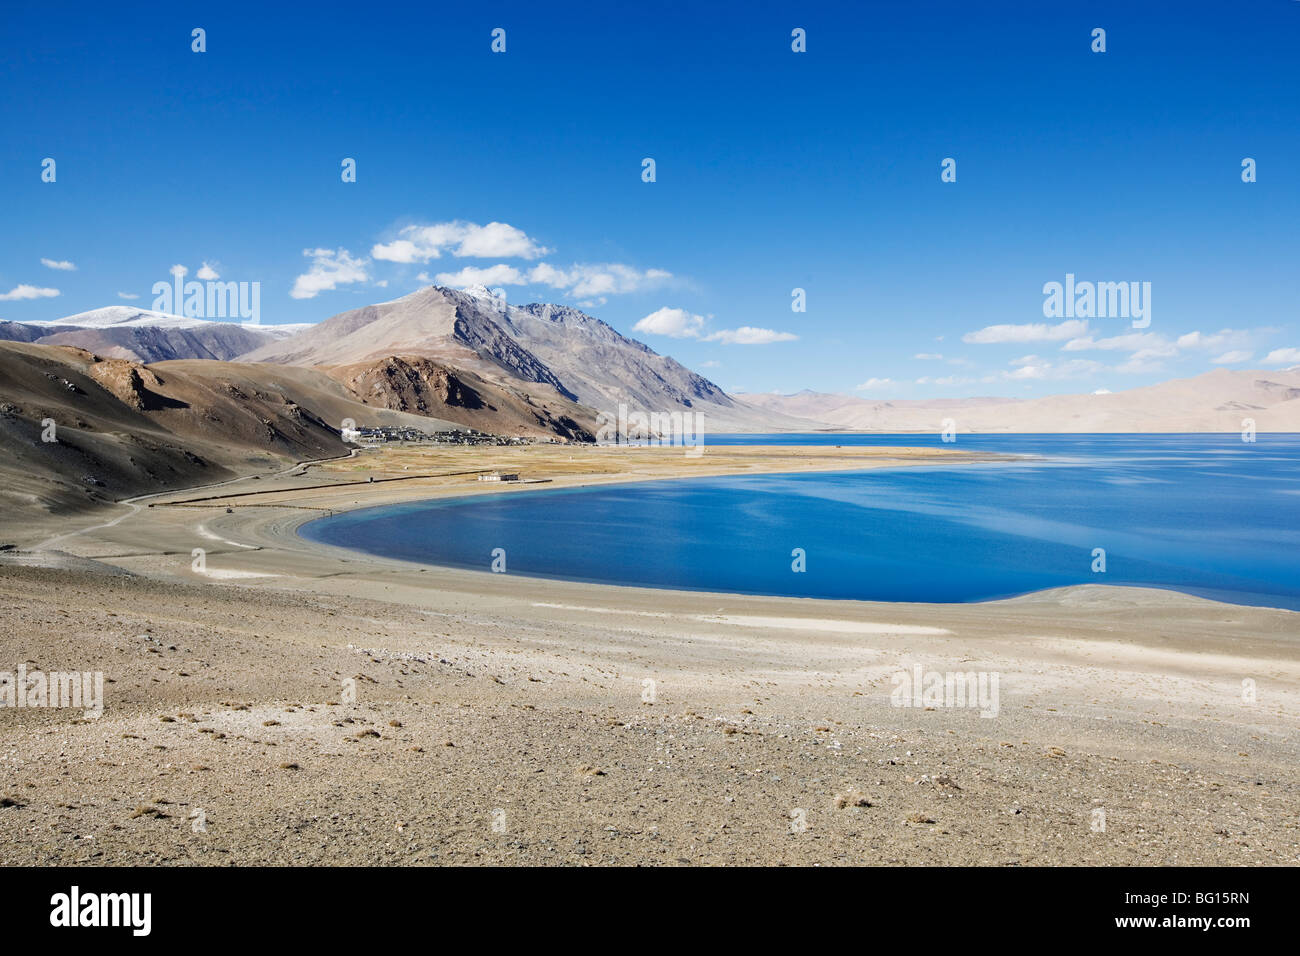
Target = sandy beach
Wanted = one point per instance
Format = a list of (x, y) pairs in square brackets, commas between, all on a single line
[(293, 703)]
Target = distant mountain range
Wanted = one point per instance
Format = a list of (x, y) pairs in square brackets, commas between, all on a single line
[(468, 358), (1217, 401), (144, 336), (559, 366)]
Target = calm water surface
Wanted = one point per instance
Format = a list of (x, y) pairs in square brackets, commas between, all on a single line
[(1206, 514)]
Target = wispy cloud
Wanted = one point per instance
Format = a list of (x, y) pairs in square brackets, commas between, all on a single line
[(1283, 357), (1147, 342), (598, 279), (1031, 367), (62, 265), (500, 274), (1144, 360), (464, 240), (874, 384), (748, 335), (27, 292), (128, 295), (947, 380), (1030, 332), (1232, 358), (680, 324), (330, 268), (207, 272), (590, 281), (1216, 341)]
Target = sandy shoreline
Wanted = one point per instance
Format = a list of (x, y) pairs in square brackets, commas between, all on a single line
[(483, 698)]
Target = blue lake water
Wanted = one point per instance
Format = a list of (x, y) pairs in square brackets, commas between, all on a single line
[(1206, 514)]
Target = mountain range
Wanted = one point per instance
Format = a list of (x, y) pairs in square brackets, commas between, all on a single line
[(141, 335), (1222, 400), (156, 400), (550, 351), (540, 366)]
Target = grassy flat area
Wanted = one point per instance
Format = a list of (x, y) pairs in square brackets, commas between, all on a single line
[(563, 461)]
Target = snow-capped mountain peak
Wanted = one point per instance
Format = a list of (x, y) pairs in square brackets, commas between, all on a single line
[(479, 291), (118, 316)]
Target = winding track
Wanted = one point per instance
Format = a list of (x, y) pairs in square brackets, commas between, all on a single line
[(134, 503)]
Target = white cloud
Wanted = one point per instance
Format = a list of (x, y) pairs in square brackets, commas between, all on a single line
[(1149, 348), (497, 239), (330, 268), (946, 380), (927, 356), (748, 335), (1102, 391), (1147, 342), (597, 279), (1282, 357), (588, 280), (206, 272), (1032, 332), (400, 250), (591, 282), (1030, 371), (500, 274), (1032, 367), (675, 323), (1144, 360), (27, 292), (1218, 341), (1232, 358), (63, 265), (462, 239), (179, 270), (872, 384), (128, 295)]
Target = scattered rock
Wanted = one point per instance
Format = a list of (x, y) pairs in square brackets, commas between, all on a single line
[(851, 798)]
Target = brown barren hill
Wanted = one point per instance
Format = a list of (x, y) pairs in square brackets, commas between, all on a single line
[(422, 386), (83, 431)]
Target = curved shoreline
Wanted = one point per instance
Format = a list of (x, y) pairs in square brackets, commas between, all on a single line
[(496, 690), (273, 549), (541, 578), (277, 518)]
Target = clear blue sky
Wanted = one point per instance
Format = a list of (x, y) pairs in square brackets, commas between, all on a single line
[(775, 170)]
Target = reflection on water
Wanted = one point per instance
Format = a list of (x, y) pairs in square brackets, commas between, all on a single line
[(1206, 514)]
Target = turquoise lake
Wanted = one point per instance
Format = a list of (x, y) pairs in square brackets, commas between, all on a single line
[(1206, 514)]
